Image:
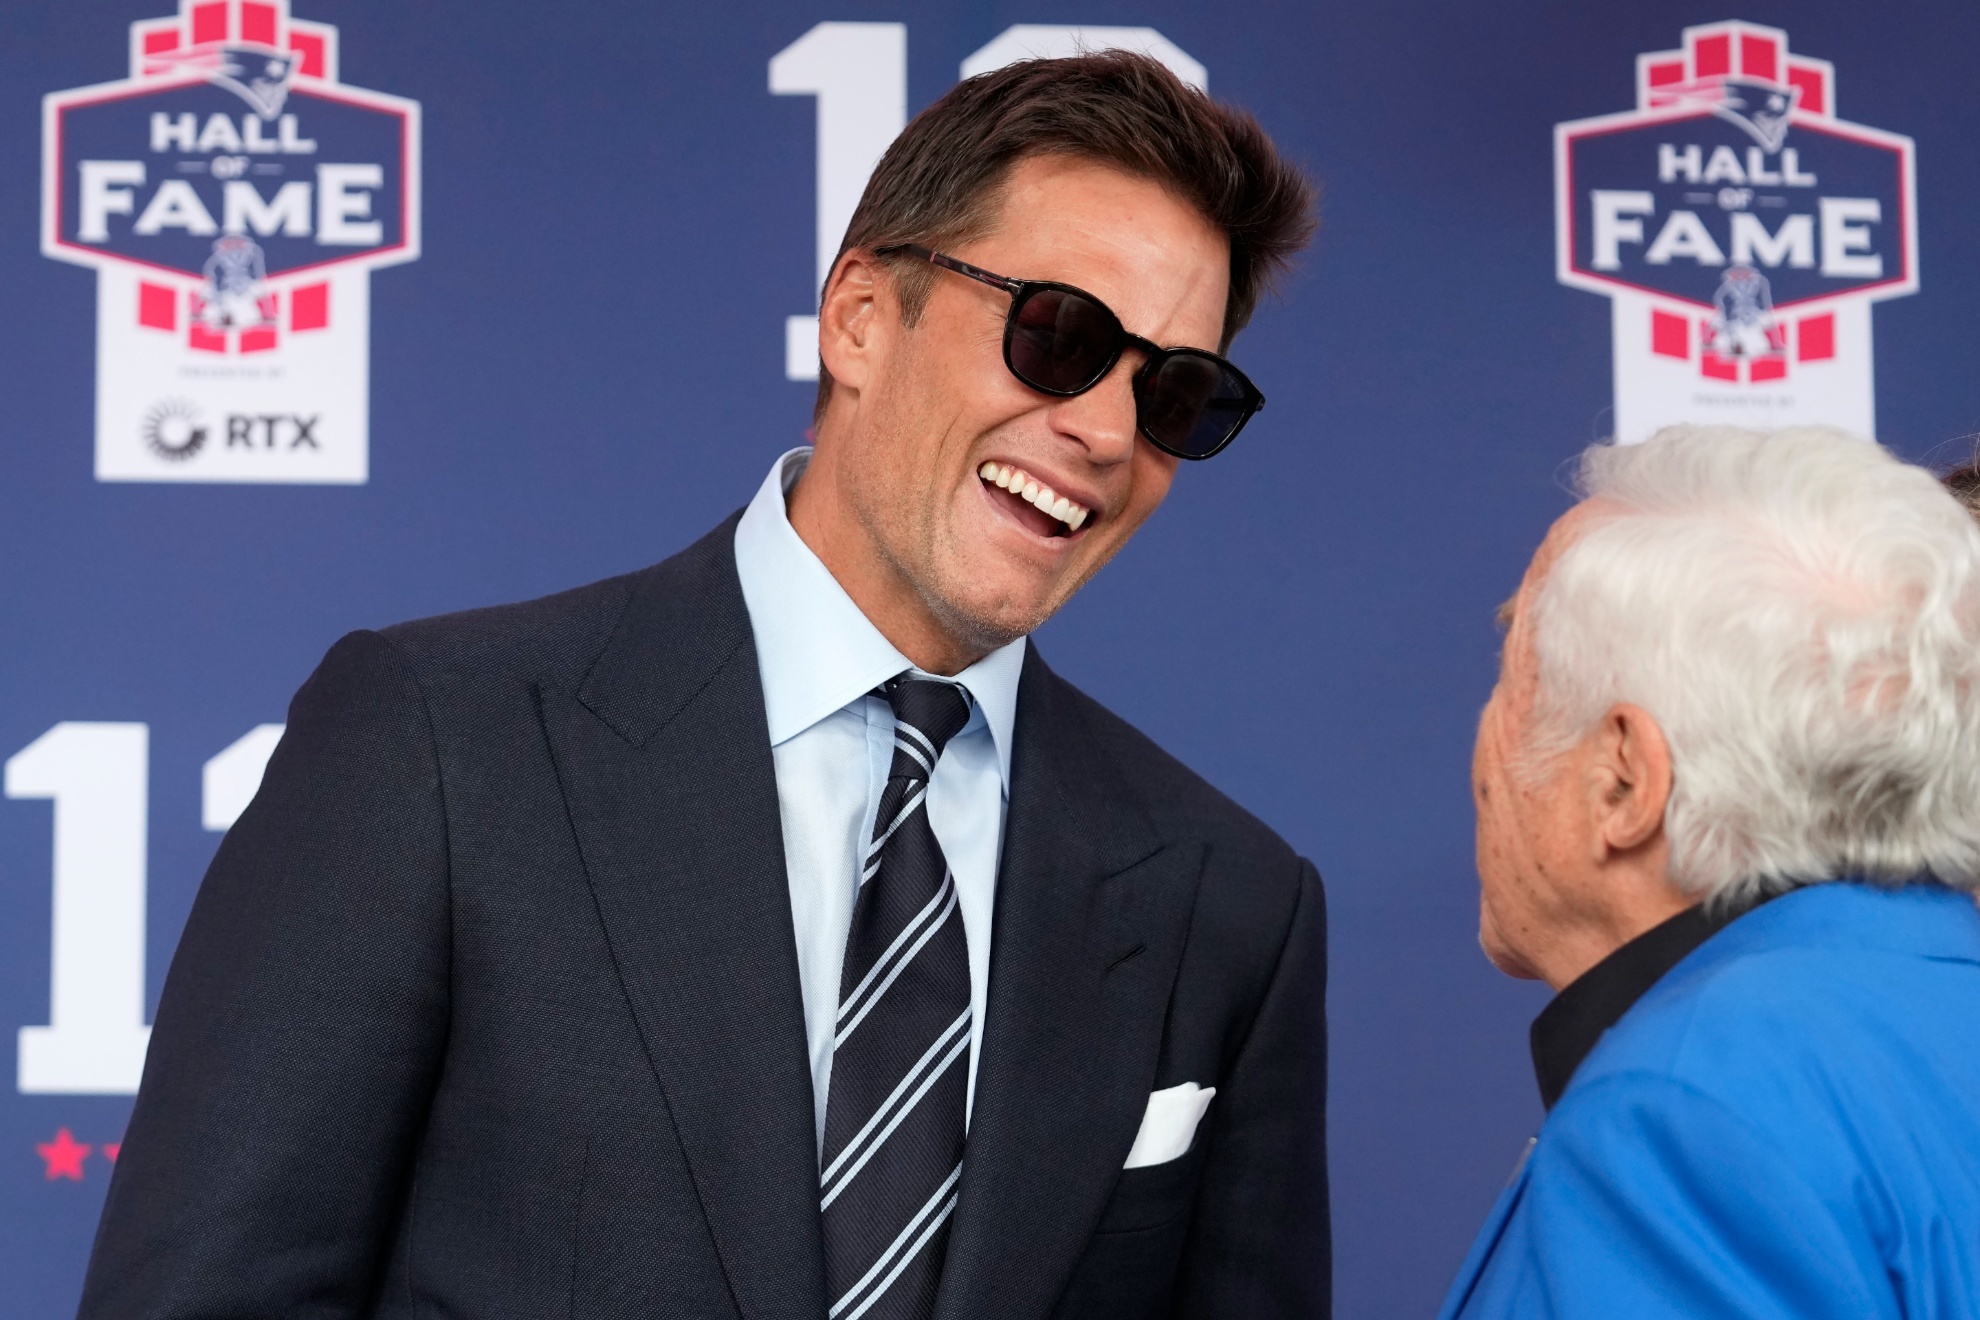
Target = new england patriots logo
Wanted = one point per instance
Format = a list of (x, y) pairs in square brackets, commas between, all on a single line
[(1761, 108), (259, 75)]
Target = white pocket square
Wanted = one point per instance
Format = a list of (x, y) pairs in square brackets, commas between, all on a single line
[(1169, 1125)]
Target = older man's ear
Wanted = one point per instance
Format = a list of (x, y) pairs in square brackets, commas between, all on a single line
[(1630, 781)]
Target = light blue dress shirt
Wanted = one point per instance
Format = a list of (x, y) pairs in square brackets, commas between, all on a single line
[(833, 742)]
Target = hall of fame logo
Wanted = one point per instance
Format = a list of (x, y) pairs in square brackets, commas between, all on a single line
[(1740, 231), (233, 197)]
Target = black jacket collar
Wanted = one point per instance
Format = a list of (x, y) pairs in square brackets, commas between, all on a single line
[(1569, 1027)]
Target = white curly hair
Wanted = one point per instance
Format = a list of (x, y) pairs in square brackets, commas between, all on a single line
[(1800, 613)]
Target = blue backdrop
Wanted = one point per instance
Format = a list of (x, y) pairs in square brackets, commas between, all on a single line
[(584, 370)]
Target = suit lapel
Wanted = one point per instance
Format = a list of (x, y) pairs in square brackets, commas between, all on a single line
[(664, 758), (1092, 908)]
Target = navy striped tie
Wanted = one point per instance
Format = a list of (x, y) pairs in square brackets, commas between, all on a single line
[(900, 1058)]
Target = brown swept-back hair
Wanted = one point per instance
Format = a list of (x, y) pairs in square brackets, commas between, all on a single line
[(941, 181)]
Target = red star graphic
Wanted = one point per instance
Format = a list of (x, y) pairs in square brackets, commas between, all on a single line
[(110, 1149), (64, 1156)]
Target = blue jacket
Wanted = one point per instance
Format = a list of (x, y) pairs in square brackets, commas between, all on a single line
[(1787, 1124)]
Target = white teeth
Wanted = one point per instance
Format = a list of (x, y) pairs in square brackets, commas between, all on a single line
[(1027, 488)]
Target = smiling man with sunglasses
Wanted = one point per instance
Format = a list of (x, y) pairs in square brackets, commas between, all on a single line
[(770, 933)]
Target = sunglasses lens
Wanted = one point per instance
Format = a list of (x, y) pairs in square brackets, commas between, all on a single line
[(1060, 342), (1192, 403)]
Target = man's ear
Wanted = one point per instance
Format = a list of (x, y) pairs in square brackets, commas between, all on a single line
[(851, 317), (1632, 778)]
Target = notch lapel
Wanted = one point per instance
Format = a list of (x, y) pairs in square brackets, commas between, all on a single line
[(1091, 913), (664, 758)]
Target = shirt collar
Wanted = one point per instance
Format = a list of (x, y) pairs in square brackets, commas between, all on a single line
[(1569, 1027), (816, 651)]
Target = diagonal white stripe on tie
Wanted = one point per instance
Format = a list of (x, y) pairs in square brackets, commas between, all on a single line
[(934, 927), (905, 745), (881, 964), (895, 1247), (900, 819), (852, 1147), (934, 1076), (917, 735)]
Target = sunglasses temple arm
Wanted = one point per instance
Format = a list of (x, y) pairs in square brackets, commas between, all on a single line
[(947, 262)]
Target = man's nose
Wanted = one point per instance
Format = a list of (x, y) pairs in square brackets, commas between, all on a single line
[(1102, 419)]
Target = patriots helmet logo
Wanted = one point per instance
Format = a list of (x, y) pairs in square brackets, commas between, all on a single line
[(1763, 109), (259, 75)]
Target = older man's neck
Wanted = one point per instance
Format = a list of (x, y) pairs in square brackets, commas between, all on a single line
[(1629, 908)]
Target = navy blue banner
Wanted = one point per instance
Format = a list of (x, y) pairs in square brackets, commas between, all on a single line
[(152, 178), (1666, 205), (573, 249)]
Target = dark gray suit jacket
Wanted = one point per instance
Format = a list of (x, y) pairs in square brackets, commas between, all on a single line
[(489, 1006)]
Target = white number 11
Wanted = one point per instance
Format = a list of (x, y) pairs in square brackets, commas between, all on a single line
[(98, 778), (95, 1038)]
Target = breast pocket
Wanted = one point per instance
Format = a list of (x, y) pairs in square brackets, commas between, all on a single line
[(1128, 1270), (1153, 1195)]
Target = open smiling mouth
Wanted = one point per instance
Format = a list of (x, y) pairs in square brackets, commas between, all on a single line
[(1036, 505)]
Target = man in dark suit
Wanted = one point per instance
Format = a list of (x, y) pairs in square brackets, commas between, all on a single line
[(769, 933)]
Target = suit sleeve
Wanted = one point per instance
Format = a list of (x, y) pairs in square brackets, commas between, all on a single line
[(301, 1026), (1646, 1197), (1259, 1244)]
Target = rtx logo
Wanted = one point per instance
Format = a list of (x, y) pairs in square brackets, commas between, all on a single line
[(175, 431), (172, 429), (272, 431)]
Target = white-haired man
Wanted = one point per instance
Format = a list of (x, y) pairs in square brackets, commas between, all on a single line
[(1728, 792)]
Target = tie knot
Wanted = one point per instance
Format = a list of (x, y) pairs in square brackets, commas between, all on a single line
[(927, 713)]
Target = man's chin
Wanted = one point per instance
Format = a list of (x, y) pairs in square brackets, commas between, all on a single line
[(999, 583), (1502, 955), (988, 620)]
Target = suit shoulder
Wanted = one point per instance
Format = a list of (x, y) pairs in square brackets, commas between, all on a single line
[(555, 636), (1175, 796), (559, 637)]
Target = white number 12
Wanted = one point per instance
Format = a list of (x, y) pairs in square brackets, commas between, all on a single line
[(858, 72)]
